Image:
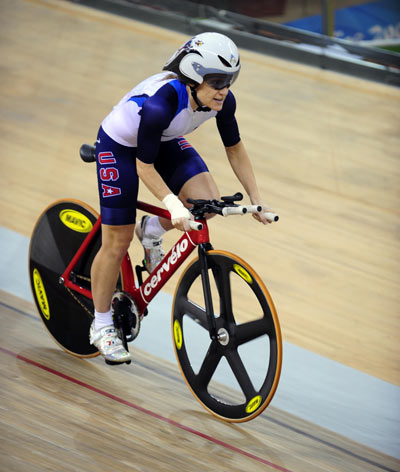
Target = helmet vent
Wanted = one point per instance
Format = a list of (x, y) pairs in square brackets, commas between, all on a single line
[(224, 61)]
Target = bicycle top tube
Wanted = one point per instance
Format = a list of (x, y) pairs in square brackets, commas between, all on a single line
[(154, 210)]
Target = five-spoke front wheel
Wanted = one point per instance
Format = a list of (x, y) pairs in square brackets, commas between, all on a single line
[(234, 375)]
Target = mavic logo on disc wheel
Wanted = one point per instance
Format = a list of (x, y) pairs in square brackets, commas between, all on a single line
[(76, 221), (41, 294)]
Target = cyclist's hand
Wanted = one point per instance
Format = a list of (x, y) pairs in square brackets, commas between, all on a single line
[(260, 215), (181, 224), (180, 215)]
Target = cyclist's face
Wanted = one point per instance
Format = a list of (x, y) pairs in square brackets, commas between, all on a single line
[(210, 97)]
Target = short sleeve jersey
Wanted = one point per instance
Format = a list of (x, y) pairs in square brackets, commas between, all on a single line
[(158, 109)]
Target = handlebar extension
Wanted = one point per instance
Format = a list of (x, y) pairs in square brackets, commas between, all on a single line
[(271, 216), (195, 225)]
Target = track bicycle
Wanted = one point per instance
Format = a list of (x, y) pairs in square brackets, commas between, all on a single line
[(224, 322)]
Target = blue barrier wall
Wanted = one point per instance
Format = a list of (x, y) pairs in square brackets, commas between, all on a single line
[(368, 21)]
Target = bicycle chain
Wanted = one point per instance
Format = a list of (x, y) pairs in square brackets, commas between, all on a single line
[(87, 279), (71, 292)]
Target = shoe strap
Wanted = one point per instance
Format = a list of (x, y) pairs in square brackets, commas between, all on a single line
[(150, 243)]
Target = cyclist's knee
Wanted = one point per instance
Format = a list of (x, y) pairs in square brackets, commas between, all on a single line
[(117, 239)]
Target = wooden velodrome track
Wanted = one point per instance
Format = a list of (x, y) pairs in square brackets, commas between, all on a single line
[(326, 151)]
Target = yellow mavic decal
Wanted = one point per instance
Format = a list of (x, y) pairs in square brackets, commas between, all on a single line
[(76, 221), (253, 404), (243, 273), (178, 334), (41, 294)]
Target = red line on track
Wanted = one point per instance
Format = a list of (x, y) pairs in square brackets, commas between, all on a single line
[(144, 410)]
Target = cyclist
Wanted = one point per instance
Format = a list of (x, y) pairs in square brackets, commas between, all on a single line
[(142, 138)]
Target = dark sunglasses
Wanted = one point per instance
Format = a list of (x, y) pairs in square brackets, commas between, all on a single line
[(219, 81)]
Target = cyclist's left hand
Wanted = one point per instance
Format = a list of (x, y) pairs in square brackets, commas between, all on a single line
[(260, 216)]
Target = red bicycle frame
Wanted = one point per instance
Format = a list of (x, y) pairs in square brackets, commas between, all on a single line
[(160, 275)]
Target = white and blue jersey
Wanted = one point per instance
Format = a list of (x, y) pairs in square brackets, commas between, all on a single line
[(149, 123)]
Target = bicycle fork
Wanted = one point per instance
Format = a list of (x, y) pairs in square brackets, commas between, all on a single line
[(205, 278)]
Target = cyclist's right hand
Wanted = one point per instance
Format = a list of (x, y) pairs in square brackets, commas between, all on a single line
[(180, 215), (181, 224)]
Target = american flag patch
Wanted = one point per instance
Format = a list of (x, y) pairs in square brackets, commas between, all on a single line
[(183, 144)]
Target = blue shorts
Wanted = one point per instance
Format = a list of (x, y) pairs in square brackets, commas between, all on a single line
[(177, 161)]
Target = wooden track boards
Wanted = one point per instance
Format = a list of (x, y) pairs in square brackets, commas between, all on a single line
[(66, 414), (325, 148)]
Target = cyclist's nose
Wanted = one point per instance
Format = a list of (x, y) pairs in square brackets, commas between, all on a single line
[(224, 91)]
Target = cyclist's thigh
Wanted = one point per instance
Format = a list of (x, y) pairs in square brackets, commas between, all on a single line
[(184, 171), (117, 181), (200, 186)]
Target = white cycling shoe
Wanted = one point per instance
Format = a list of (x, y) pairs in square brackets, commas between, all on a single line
[(153, 252), (108, 343)]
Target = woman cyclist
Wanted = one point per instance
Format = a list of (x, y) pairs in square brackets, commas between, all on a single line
[(142, 138)]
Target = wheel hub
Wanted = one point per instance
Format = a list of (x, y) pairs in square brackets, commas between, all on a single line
[(223, 336)]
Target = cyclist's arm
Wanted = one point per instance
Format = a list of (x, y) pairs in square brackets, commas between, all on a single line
[(152, 179), (241, 165), (226, 122), (237, 154), (180, 215), (156, 115)]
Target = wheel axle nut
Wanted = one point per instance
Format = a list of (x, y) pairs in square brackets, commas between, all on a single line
[(223, 336)]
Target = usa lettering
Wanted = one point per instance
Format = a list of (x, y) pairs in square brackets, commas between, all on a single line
[(106, 158), (108, 174), (109, 191)]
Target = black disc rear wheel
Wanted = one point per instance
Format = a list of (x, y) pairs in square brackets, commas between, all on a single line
[(58, 234)]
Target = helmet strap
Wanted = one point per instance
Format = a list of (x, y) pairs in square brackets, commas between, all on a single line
[(200, 106)]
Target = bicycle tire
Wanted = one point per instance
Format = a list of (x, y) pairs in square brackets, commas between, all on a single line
[(56, 237), (247, 401)]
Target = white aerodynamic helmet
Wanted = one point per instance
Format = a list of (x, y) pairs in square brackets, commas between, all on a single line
[(209, 57)]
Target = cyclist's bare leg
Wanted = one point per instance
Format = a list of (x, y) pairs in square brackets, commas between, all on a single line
[(107, 263), (200, 186)]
